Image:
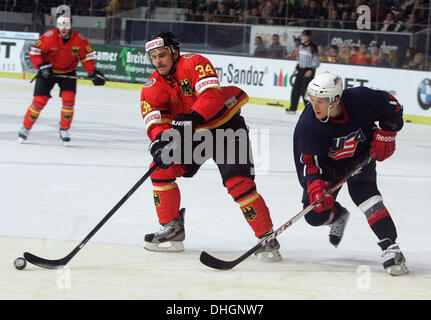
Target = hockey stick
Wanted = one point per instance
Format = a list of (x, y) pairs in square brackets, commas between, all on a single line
[(71, 77), (55, 264), (64, 77), (216, 263)]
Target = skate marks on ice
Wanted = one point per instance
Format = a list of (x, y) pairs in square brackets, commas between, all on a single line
[(112, 271)]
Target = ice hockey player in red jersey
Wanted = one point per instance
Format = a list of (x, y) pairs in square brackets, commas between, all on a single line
[(182, 99), (56, 55)]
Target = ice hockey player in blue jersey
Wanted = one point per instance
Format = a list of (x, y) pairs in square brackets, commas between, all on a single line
[(337, 129)]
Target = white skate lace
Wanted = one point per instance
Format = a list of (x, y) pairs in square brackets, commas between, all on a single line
[(24, 132), (64, 134), (166, 229), (337, 227), (391, 252)]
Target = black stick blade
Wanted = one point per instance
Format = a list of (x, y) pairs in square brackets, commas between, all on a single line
[(216, 263), (45, 263), (219, 264)]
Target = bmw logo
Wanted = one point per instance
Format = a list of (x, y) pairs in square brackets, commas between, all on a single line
[(424, 94)]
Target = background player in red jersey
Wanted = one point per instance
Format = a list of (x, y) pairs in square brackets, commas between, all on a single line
[(56, 55), (184, 96), (337, 129)]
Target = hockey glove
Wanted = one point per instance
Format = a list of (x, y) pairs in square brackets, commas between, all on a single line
[(98, 78), (383, 144), (316, 192), (158, 148), (187, 122), (45, 70)]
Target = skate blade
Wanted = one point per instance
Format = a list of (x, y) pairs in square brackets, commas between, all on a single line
[(398, 270), (65, 143), (168, 246), (273, 256), (20, 140)]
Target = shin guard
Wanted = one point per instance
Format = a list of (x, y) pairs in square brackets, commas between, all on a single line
[(167, 200), (379, 218), (68, 99), (33, 111), (167, 197), (243, 190)]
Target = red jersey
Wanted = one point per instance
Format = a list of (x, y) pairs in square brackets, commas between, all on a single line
[(64, 56), (193, 86), (360, 59)]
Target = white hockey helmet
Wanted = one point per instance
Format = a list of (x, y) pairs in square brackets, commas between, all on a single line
[(325, 85), (64, 23), (63, 17)]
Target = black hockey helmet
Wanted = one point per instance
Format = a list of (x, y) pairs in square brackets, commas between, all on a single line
[(306, 33), (163, 39)]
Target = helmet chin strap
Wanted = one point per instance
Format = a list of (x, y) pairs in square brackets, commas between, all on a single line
[(331, 106)]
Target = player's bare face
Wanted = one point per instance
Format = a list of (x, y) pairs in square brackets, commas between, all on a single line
[(162, 59), (320, 107), (65, 33)]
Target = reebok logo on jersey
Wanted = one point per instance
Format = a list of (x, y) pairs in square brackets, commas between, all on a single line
[(344, 147)]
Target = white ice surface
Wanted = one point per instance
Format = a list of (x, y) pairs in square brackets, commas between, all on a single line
[(52, 196)]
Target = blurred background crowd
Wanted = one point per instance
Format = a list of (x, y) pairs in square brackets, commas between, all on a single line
[(364, 54), (393, 16), (387, 15)]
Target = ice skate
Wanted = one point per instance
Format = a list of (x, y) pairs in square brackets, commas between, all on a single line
[(169, 238), (337, 228), (393, 259), (65, 137), (269, 252), (23, 134)]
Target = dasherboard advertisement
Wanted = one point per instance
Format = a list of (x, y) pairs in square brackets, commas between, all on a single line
[(15, 51), (272, 79)]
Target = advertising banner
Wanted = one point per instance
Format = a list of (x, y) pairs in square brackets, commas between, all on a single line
[(14, 51), (121, 64), (272, 79)]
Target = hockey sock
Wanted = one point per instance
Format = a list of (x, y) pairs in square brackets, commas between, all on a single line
[(33, 111), (167, 197), (243, 190), (167, 200), (68, 98), (379, 218)]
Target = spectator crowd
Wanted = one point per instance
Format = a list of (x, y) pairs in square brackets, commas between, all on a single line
[(78, 7), (386, 15), (365, 54)]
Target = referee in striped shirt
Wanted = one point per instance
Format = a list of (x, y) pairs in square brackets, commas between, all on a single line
[(308, 61)]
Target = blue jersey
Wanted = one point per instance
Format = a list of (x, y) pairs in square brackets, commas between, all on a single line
[(325, 150)]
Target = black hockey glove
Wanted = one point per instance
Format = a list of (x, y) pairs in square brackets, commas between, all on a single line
[(159, 149), (45, 70), (185, 122), (98, 78)]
